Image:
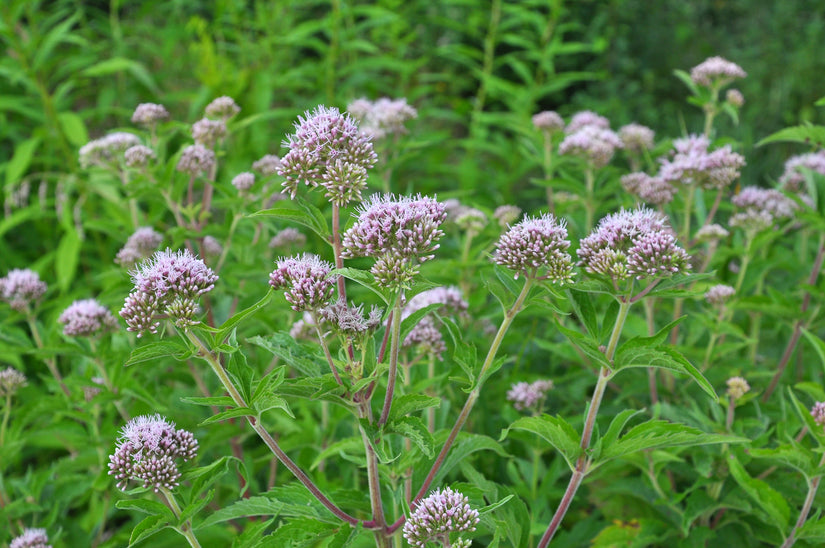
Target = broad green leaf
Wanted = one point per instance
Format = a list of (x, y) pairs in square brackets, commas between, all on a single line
[(244, 508), (410, 403), (366, 279), (412, 320), (663, 357), (204, 476), (301, 533), (194, 507), (267, 385), (611, 436), (301, 212), (769, 502), (414, 429), (68, 253), (555, 431), (157, 350), (813, 529), (656, 434), (226, 328), (218, 401), (147, 527), (295, 355), (240, 373), (804, 413), (585, 311), (792, 454), (74, 128), (351, 449), (586, 344), (230, 414), (808, 134), (271, 401), (151, 507)]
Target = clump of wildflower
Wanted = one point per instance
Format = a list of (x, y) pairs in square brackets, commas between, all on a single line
[(537, 248), (636, 137), (735, 98), (649, 188), (711, 232), (21, 287), (636, 243), (140, 245), (818, 413), (399, 232), (716, 72), (288, 238), (529, 395), (223, 107), (303, 328), (243, 181), (425, 336), (471, 220), (719, 294), (506, 215), (212, 247), (548, 121), (168, 285), (383, 117), (761, 208), (31, 538), (107, 150), (11, 380), (737, 387), (307, 279), (329, 150), (138, 155), (86, 318), (208, 132), (267, 165), (436, 516), (146, 452), (149, 114), (586, 118), (349, 320), (196, 159), (692, 163), (594, 144), (793, 178)]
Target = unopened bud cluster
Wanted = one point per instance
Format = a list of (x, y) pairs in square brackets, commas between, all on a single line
[(147, 450), (737, 387)]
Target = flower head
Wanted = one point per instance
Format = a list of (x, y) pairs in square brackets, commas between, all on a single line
[(506, 215), (737, 387), (149, 114), (243, 181), (438, 515), (11, 380), (208, 132), (793, 178), (267, 165), (307, 279), (584, 119), (140, 245), (168, 284), (288, 238), (107, 150), (548, 121), (21, 287), (86, 318), (711, 232), (383, 117), (212, 247), (223, 107), (650, 189), (138, 156), (399, 232), (635, 243), (593, 143), (692, 163), (536, 245), (818, 413), (329, 150), (146, 451), (195, 160), (636, 137), (31, 538), (350, 320), (734, 97), (719, 294), (761, 208), (425, 336), (529, 395), (716, 71)]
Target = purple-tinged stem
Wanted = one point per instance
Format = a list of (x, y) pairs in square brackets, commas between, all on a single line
[(323, 341), (813, 486), (395, 344)]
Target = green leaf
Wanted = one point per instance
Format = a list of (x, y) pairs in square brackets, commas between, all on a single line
[(151, 507), (664, 357), (241, 374), (156, 350), (410, 403), (586, 344), (792, 454), (655, 434), (74, 128), (687, 80), (301, 533), (804, 413), (68, 253), (555, 431), (465, 445), (585, 311), (408, 323), (295, 355), (817, 343), (147, 527), (350, 449), (813, 529), (491, 507), (230, 324), (770, 504), (611, 436), (218, 401), (204, 476), (271, 401), (414, 429), (244, 508), (366, 279), (195, 506), (267, 385), (808, 134), (230, 414), (298, 211)]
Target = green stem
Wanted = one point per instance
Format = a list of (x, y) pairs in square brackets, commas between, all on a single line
[(691, 190), (743, 268), (218, 369), (373, 480), (186, 528), (474, 394), (595, 402), (395, 344), (5, 423), (50, 362), (589, 206), (317, 322), (813, 487)]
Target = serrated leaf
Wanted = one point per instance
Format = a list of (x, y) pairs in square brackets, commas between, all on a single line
[(301, 533), (663, 357), (269, 383), (204, 476), (414, 429), (585, 311), (68, 253), (20, 160), (218, 401), (299, 211), (791, 454), (147, 527), (270, 401), (410, 403), (813, 529), (194, 507), (151, 507), (167, 348), (230, 414), (244, 508), (656, 434), (807, 133), (769, 502), (555, 431), (295, 355), (230, 324)]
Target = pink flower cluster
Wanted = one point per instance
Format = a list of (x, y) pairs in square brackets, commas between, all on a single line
[(716, 71), (86, 318), (107, 150), (425, 336), (21, 287), (307, 279), (438, 515), (761, 208), (650, 189), (31, 538), (146, 453), (536, 247), (529, 395), (793, 178), (719, 294), (692, 163), (167, 285), (140, 245), (383, 117)]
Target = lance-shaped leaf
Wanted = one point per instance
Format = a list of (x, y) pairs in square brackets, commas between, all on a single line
[(771, 507), (555, 431)]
